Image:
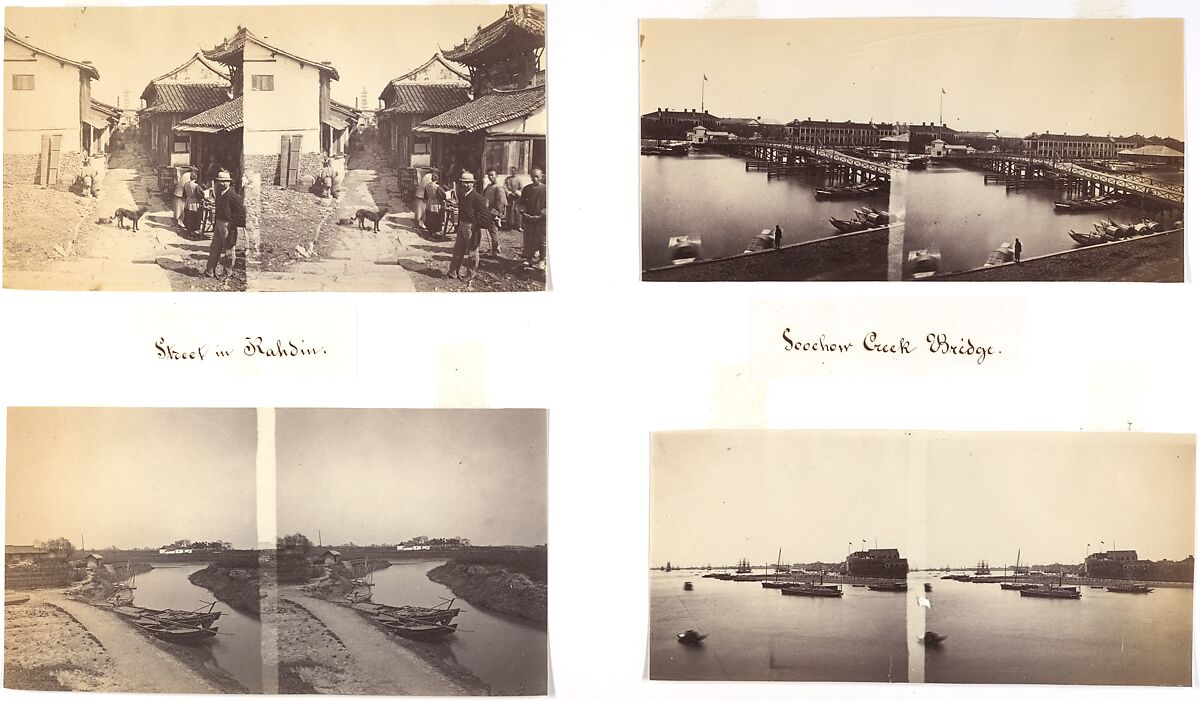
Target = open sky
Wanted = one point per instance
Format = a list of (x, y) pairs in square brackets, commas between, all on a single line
[(1103, 76), (718, 496), (1050, 495), (369, 45), (383, 476), (131, 477)]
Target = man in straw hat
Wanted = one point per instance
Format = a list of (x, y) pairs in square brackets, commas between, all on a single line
[(473, 215), (229, 218)]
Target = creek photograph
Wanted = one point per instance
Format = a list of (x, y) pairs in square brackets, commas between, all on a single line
[(129, 557), (411, 552)]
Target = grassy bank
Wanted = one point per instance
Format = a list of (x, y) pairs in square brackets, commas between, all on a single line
[(234, 586), (505, 588)]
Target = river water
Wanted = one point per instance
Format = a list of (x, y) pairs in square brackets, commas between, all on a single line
[(237, 651), (506, 652), (712, 196), (759, 634), (999, 637)]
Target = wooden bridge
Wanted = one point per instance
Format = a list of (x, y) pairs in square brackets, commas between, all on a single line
[(785, 157), (1098, 182)]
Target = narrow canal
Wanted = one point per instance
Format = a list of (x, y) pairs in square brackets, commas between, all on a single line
[(506, 652), (236, 650), (759, 634), (1001, 637)]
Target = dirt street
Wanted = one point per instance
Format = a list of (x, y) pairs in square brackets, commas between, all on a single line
[(57, 643)]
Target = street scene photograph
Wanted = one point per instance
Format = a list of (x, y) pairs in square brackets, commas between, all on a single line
[(411, 554), (912, 149), (130, 565), (285, 148)]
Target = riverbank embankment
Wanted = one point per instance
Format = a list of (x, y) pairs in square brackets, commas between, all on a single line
[(503, 588), (871, 255), (237, 587), (1154, 258)]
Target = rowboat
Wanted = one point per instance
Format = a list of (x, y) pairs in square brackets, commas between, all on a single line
[(416, 630), (1015, 586), (687, 586), (175, 632), (924, 262), (818, 590), (408, 613), (1087, 205), (1087, 238), (846, 226), (765, 241), (931, 639), (848, 191), (683, 249), (691, 637), (1003, 254), (203, 619)]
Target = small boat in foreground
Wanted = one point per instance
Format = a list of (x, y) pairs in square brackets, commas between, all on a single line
[(683, 249), (1087, 205), (1087, 238), (847, 226), (687, 586), (1003, 254), (932, 639), (1130, 589), (409, 613), (691, 637), (924, 262), (175, 632), (928, 586), (764, 241), (889, 586)]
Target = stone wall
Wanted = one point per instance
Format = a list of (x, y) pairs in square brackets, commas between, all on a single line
[(862, 256), (23, 168), (267, 166)]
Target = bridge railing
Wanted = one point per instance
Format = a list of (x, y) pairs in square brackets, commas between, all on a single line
[(1170, 192)]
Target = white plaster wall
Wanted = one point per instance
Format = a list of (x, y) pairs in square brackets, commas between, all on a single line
[(293, 107), (52, 107)]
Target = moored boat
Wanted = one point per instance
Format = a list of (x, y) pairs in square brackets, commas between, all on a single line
[(691, 637), (924, 262), (846, 226), (764, 241), (1087, 205), (683, 249), (888, 586), (932, 639), (818, 590), (687, 586), (409, 613), (1004, 253), (1130, 589), (1087, 238), (175, 632)]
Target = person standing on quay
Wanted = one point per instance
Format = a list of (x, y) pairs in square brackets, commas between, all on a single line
[(230, 217), (778, 237), (533, 218), (473, 214), (512, 187), (1017, 251), (497, 202)]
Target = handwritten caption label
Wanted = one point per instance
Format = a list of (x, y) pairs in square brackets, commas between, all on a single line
[(887, 337), (251, 347), (873, 342)]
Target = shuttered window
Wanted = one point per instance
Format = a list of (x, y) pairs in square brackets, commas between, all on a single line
[(262, 82), (22, 82)]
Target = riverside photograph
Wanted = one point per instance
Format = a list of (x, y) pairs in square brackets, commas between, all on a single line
[(954, 163), (411, 554), (129, 558), (922, 557)]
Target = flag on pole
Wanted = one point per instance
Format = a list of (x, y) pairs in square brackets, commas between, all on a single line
[(705, 77), (943, 91)]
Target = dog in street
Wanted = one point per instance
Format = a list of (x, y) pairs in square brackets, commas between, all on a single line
[(122, 214), (363, 215)]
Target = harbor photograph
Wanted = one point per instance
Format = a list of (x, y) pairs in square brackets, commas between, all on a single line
[(1059, 558), (129, 560), (778, 556), (411, 552), (276, 148), (987, 150)]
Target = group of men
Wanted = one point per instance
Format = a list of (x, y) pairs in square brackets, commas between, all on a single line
[(495, 208)]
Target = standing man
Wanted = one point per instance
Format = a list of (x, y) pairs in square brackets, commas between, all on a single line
[(778, 237), (1017, 251), (193, 197), (229, 218), (533, 218), (422, 188), (497, 202), (472, 212), (184, 178), (434, 204), (325, 177), (512, 188)]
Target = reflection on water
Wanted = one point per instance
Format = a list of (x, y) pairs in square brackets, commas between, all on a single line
[(713, 197), (759, 634), (507, 653), (238, 652), (952, 208), (998, 637)]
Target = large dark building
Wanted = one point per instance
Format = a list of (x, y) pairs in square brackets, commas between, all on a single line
[(1124, 564), (877, 562)]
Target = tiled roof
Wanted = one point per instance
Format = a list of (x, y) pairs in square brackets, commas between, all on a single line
[(230, 52), (226, 117), (423, 98), (83, 65), (106, 109), (488, 110), (187, 98), (196, 57), (522, 22)]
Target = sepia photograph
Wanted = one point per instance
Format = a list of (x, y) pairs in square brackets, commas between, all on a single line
[(778, 556), (286, 148), (129, 557), (912, 149), (411, 552), (1060, 558), (981, 558)]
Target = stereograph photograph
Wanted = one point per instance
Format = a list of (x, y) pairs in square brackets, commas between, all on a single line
[(275, 148), (984, 558), (912, 149), (406, 560)]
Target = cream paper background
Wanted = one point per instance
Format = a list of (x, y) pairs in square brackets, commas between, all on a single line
[(613, 358)]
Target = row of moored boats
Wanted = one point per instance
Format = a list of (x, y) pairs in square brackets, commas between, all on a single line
[(1107, 230), (865, 217)]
